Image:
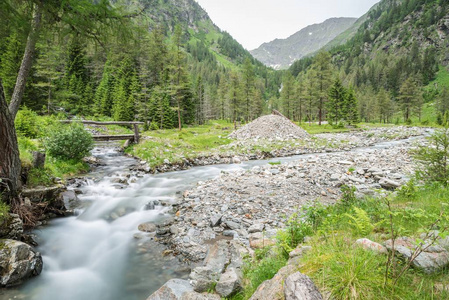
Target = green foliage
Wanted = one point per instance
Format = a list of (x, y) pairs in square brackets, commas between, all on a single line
[(4, 210), (294, 233), (69, 142), (263, 266), (433, 159), (409, 190), (348, 197), (360, 221), (26, 123)]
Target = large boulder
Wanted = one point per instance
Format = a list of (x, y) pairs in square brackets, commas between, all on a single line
[(174, 289), (11, 227), (299, 287), (273, 289), (18, 261), (432, 260), (230, 282)]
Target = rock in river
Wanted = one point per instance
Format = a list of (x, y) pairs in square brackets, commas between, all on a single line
[(18, 261)]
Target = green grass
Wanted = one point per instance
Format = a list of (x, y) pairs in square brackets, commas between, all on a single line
[(324, 128), (346, 271), (175, 145), (442, 79)]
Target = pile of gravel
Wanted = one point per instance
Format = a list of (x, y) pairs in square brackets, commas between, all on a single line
[(270, 127)]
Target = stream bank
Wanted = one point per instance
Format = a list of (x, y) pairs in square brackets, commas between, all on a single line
[(102, 249)]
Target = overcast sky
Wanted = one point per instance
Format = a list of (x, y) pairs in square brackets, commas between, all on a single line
[(253, 22)]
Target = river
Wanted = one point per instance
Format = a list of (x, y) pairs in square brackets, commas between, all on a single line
[(95, 254)]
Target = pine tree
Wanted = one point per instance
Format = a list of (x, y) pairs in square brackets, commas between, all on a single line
[(104, 93), (180, 85), (248, 86), (48, 74), (336, 105), (222, 96), (10, 64), (234, 96), (350, 113), (443, 101), (385, 106), (310, 94), (257, 104), (323, 67), (409, 97), (288, 95), (199, 101)]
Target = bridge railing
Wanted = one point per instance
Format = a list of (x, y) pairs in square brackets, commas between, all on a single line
[(135, 136)]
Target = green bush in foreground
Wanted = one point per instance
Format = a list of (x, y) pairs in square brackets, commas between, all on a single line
[(69, 142)]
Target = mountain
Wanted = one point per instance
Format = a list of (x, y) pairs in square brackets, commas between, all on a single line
[(349, 33), (281, 53)]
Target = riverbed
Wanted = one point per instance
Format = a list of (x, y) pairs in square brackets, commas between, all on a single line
[(99, 253)]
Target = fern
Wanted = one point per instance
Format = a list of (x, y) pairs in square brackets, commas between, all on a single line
[(360, 222)]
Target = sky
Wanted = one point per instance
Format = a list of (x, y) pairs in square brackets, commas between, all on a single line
[(254, 22)]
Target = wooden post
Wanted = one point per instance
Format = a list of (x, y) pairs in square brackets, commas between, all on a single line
[(136, 133)]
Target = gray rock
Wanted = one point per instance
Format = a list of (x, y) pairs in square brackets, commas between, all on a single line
[(230, 282), (260, 240), (299, 251), (370, 245), (147, 227), (273, 288), (299, 287), (232, 225), (18, 261), (429, 261), (70, 199), (218, 256), (258, 227), (198, 296), (335, 177), (11, 227), (389, 184), (38, 159), (215, 220), (174, 289), (203, 278)]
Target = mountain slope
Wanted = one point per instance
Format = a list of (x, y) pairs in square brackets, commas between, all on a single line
[(281, 53)]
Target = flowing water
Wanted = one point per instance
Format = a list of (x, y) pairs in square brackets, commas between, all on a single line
[(95, 256)]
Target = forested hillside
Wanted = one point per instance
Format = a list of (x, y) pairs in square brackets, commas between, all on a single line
[(172, 60), (395, 54)]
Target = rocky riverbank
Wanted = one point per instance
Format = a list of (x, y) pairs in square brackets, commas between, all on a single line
[(241, 205), (260, 148), (245, 209)]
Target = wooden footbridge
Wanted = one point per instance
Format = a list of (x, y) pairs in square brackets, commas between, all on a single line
[(132, 137)]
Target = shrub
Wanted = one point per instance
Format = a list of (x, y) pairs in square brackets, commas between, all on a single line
[(69, 142), (433, 159), (26, 123)]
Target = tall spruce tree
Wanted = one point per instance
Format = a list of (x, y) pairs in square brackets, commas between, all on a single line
[(409, 97), (323, 67), (10, 63), (350, 112), (288, 95), (234, 96), (336, 106), (248, 86)]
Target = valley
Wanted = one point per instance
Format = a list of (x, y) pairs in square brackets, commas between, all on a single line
[(315, 165)]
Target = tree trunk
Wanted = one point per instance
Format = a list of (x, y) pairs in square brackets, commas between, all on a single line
[(27, 60), (10, 166)]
